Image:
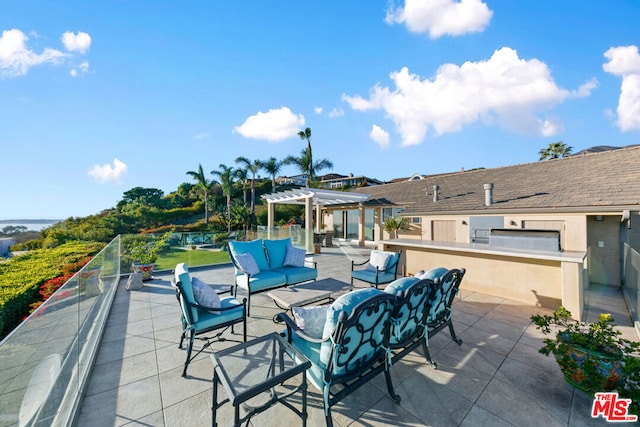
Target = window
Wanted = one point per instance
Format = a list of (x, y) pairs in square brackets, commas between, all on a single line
[(416, 220)]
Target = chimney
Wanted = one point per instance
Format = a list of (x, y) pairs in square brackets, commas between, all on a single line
[(488, 194), (435, 192)]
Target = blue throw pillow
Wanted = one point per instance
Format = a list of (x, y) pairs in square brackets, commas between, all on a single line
[(248, 264), (204, 294), (400, 285), (295, 257), (253, 247), (311, 319)]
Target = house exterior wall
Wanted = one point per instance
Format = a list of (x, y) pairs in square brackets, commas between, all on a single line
[(574, 232), (604, 249), (545, 281)]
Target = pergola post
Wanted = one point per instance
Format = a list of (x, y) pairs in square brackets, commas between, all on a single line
[(360, 224), (318, 218), (271, 211)]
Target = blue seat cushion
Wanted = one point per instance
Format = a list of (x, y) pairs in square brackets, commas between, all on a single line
[(255, 248), (298, 274), (311, 350), (263, 280), (346, 303), (370, 276), (400, 285), (276, 251), (208, 320), (434, 273)]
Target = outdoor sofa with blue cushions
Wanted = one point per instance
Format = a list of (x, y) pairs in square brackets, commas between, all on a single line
[(381, 268), (262, 265), (209, 313)]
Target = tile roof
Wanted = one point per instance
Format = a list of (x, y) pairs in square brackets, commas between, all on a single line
[(604, 180)]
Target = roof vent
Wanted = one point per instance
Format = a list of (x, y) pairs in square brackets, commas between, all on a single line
[(488, 194), (435, 193)]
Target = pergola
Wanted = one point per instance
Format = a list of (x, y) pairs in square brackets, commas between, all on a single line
[(310, 198)]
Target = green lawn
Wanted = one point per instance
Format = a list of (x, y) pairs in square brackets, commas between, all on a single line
[(168, 260)]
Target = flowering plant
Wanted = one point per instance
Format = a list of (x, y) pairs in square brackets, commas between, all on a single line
[(593, 356)]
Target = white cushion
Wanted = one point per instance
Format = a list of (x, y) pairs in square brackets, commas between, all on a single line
[(248, 263), (294, 257), (204, 294), (311, 319), (378, 259)]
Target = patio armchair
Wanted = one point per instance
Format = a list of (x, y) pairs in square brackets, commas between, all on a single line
[(198, 319), (414, 299), (448, 285), (353, 347), (381, 268)]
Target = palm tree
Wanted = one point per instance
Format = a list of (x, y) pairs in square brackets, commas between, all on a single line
[(242, 176), (555, 150), (272, 167), (226, 175), (307, 166), (252, 167), (306, 134), (203, 186)]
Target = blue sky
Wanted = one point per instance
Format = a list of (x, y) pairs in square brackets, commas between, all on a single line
[(99, 97)]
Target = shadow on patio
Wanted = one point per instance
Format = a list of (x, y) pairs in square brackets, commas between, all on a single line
[(496, 377)]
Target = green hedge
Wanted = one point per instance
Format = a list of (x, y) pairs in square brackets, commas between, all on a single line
[(21, 277)]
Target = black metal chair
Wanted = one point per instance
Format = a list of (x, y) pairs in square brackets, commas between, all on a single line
[(414, 299), (198, 320), (373, 274), (352, 353), (448, 285)]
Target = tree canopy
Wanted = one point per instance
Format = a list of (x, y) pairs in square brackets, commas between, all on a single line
[(555, 150)]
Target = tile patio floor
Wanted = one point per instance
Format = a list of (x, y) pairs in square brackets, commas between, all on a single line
[(495, 378)]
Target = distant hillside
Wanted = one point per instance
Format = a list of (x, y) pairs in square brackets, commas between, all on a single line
[(600, 148)]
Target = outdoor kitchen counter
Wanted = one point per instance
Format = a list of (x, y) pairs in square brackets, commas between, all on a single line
[(540, 278)]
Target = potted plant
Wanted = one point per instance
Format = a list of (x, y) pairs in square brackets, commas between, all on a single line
[(592, 356), (392, 225), (144, 253)]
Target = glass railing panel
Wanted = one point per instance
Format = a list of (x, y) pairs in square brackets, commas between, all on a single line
[(295, 232), (46, 360), (631, 283), (194, 248)]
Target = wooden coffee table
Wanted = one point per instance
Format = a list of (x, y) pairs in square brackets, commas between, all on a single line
[(308, 293)]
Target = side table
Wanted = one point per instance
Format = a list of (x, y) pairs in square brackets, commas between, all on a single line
[(253, 375)]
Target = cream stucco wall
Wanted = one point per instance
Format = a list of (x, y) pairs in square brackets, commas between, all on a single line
[(574, 232), (534, 279)]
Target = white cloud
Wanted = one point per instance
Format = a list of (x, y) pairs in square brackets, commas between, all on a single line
[(503, 89), (274, 125), (336, 112), (107, 173), (83, 67), (317, 110), (16, 58), (380, 136), (441, 17), (79, 42), (625, 61), (551, 127), (201, 135)]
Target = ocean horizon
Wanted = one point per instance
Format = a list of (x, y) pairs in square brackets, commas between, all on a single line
[(31, 224)]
